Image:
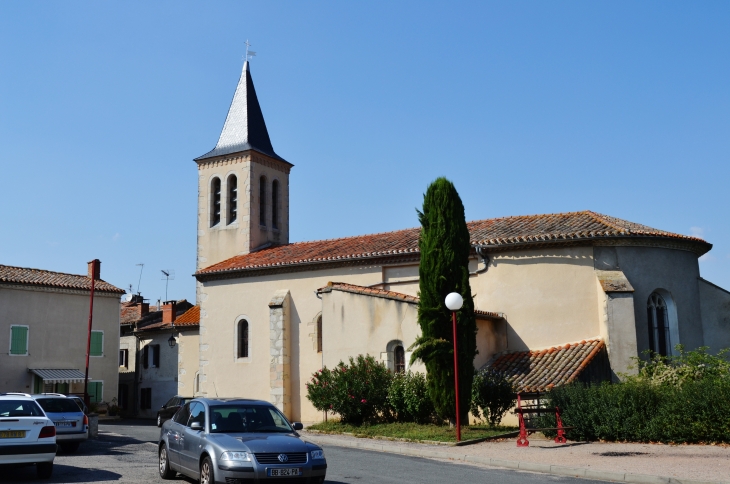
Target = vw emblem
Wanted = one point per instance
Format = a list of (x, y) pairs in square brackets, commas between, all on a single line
[(283, 458)]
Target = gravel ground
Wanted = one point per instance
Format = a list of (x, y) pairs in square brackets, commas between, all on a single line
[(696, 462)]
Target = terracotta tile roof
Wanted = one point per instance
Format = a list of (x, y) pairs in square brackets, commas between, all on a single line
[(153, 319), (42, 278), (396, 296), (562, 226), (531, 230), (540, 370), (191, 317)]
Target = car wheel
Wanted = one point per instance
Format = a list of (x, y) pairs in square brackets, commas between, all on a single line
[(44, 470), (70, 448), (159, 420), (206, 472), (165, 471)]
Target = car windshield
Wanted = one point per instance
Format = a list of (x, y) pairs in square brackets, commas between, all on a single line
[(19, 408), (58, 405), (247, 418)]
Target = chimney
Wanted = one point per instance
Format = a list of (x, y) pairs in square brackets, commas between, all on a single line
[(94, 269), (144, 309), (168, 312)]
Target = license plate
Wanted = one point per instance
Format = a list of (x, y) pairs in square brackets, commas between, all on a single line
[(64, 424), (12, 434), (286, 472)]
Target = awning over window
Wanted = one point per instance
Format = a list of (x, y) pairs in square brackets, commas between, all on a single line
[(59, 376)]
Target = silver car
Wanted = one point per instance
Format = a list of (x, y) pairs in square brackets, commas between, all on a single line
[(237, 441)]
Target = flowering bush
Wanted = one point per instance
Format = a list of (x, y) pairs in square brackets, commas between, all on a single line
[(493, 394), (687, 366), (357, 392), (408, 398)]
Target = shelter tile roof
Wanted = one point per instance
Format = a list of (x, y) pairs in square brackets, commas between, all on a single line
[(499, 233), (396, 296), (43, 278), (541, 370)]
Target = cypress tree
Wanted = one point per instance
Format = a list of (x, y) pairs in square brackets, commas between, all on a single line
[(444, 245)]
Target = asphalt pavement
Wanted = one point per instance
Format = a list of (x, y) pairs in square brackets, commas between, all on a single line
[(126, 452)]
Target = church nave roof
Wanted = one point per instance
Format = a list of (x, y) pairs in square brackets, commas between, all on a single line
[(506, 233)]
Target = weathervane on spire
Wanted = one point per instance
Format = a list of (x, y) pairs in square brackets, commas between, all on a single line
[(249, 53)]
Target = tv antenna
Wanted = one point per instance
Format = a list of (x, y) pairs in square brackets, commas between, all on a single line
[(167, 275), (141, 268), (249, 53)]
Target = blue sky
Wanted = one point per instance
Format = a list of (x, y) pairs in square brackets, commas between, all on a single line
[(529, 107)]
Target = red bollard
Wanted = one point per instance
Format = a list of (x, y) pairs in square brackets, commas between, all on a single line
[(522, 439), (560, 438)]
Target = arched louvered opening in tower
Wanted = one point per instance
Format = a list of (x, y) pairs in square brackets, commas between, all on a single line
[(275, 204), (215, 202), (262, 201), (232, 199)]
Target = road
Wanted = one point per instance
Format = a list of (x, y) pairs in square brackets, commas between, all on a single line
[(126, 452)]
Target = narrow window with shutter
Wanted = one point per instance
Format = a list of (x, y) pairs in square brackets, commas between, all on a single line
[(145, 357), (19, 340), (97, 343), (155, 356)]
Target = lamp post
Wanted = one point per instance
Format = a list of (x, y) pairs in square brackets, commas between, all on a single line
[(454, 301), (172, 341)]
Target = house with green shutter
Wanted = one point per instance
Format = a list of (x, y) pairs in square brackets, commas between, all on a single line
[(44, 319)]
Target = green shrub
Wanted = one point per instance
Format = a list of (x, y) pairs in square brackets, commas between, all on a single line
[(408, 398), (493, 394), (357, 392), (697, 411)]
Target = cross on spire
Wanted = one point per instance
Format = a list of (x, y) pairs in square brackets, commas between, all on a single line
[(249, 53)]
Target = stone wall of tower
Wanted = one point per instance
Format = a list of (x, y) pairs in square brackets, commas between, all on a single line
[(228, 238)]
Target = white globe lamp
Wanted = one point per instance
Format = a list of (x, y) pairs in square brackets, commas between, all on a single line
[(454, 301)]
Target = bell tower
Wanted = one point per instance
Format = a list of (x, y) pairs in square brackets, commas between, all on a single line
[(243, 185)]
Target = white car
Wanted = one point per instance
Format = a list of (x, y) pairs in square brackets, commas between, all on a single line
[(72, 426), (27, 435)]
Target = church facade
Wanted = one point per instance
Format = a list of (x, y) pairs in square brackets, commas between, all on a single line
[(559, 297)]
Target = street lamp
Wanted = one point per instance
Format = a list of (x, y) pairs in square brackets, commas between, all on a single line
[(454, 301), (172, 340)]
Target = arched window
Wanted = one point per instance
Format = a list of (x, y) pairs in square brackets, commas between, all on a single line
[(399, 357), (262, 201), (243, 339), (319, 334), (658, 317), (275, 204), (232, 198), (215, 202)]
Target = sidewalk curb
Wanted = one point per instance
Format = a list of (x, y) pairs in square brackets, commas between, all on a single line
[(510, 464)]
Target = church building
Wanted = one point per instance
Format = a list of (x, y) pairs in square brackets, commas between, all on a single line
[(559, 297)]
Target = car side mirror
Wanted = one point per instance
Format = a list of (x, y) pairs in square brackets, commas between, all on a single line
[(298, 426), (196, 426)]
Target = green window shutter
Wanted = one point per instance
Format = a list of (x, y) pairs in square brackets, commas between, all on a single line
[(37, 384), (18, 340), (97, 343)]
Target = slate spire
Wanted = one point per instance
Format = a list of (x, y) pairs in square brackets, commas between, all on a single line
[(244, 128)]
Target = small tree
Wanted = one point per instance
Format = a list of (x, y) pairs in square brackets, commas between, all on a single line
[(445, 247), (493, 394)]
